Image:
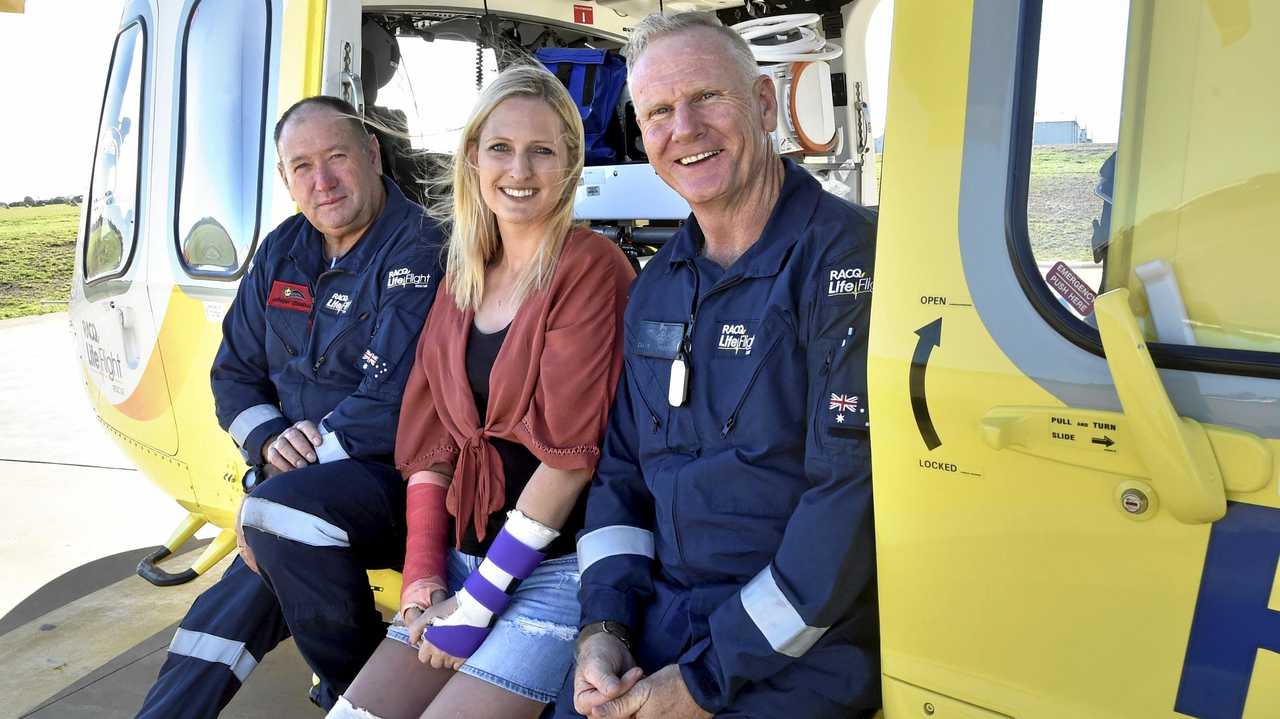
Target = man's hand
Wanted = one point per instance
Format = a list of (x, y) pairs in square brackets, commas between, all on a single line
[(662, 695), (293, 448), (605, 671), (245, 553)]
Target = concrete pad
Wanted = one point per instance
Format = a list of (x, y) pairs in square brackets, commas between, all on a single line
[(57, 518), (81, 635), (44, 409), (276, 690), (77, 583), (68, 495), (44, 656)]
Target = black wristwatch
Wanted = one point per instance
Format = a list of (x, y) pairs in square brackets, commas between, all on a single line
[(614, 629), (253, 476)]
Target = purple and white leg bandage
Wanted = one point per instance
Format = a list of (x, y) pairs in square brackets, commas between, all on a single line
[(515, 553)]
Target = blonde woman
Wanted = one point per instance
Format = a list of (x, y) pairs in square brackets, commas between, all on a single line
[(501, 423)]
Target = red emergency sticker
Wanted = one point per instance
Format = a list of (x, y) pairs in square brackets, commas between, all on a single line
[(290, 296), (1072, 287), (584, 14)]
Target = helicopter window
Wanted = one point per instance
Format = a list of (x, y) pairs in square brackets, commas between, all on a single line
[(221, 126), (112, 216), (1151, 164), (1073, 141)]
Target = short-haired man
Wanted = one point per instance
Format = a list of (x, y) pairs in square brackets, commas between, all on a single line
[(727, 560), (316, 351)]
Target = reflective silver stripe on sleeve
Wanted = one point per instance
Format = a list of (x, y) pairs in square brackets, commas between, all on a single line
[(214, 649), (330, 449), (251, 419), (613, 540), (776, 619), (290, 523)]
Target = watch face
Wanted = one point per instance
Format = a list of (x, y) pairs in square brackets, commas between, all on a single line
[(250, 479)]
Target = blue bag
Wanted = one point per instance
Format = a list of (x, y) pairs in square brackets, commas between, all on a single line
[(595, 79)]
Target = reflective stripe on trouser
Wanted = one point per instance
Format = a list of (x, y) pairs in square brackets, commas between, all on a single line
[(314, 533), (228, 630)]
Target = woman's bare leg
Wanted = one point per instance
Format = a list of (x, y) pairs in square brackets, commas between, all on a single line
[(465, 697), (394, 685)]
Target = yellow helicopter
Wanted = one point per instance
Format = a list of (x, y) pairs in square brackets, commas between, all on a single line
[(1075, 353)]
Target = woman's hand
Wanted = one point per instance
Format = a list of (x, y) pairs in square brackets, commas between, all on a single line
[(428, 653), (412, 615)]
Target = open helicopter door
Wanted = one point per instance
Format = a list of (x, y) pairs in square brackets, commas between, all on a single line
[(1075, 465), (342, 49), (111, 312)]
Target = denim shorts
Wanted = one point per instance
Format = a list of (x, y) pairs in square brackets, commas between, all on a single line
[(530, 650)]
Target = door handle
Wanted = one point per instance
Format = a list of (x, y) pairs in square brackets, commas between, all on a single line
[(1176, 451), (126, 318)]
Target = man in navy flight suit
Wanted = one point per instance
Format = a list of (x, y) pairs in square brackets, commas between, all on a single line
[(727, 560), (315, 353)]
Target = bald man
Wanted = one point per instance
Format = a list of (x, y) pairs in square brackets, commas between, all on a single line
[(315, 353)]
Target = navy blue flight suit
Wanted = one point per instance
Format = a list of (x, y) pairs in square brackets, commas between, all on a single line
[(733, 533), (331, 342)]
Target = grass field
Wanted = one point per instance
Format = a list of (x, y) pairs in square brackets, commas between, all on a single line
[(37, 257), (1061, 205)]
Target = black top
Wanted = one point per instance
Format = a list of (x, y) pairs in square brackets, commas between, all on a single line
[(518, 463)]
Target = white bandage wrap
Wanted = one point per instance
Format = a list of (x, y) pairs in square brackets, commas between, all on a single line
[(343, 709), (531, 533)]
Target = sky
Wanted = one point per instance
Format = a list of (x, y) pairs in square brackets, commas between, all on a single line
[(58, 52)]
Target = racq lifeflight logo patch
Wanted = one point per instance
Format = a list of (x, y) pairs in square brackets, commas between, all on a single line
[(737, 338), (848, 282), (339, 303), (405, 277)]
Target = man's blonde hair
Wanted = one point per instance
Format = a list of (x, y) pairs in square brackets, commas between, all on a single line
[(657, 26), (473, 231)]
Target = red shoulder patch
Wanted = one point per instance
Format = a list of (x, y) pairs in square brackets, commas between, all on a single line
[(290, 296)]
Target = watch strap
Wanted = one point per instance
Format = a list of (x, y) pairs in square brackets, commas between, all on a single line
[(612, 628)]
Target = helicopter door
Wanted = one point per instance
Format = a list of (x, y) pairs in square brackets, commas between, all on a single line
[(111, 315), (222, 177), (342, 53), (1075, 423)]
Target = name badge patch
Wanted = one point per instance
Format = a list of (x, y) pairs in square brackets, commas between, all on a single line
[(659, 339), (736, 339), (847, 282), (290, 296)]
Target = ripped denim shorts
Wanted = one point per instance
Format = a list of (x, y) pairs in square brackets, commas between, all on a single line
[(530, 650)]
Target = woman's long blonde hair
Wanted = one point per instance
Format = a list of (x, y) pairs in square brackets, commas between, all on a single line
[(473, 231)]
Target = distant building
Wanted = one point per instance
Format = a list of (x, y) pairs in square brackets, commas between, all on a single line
[(1059, 132)]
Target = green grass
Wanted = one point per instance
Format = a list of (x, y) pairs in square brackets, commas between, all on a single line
[(1061, 205), (37, 258)]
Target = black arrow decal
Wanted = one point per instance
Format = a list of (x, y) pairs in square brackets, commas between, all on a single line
[(930, 337), (1104, 440)]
